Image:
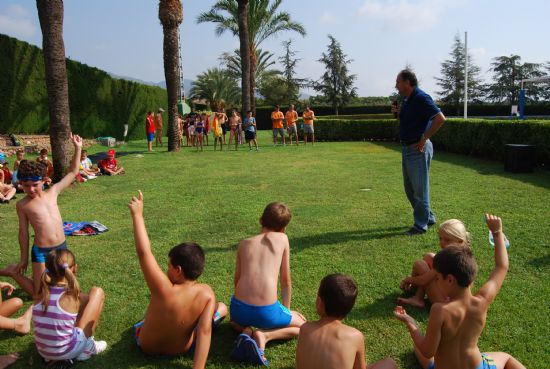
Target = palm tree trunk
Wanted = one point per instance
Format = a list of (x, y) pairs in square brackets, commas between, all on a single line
[(50, 14), (253, 63), (245, 56)]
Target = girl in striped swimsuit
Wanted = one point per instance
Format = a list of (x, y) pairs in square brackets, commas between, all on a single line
[(61, 333)]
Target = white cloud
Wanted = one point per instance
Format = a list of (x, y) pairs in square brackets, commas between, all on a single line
[(407, 15), (327, 17), (16, 21)]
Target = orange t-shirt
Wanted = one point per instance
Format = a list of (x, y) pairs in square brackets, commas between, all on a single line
[(308, 117), (277, 119), (291, 117)]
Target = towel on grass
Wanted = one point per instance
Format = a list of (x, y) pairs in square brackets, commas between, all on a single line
[(83, 228)]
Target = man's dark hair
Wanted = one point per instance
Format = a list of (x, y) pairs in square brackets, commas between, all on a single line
[(457, 261), (31, 168), (190, 257), (408, 75), (276, 106), (338, 292), (276, 216)]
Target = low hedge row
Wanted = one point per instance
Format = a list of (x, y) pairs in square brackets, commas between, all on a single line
[(479, 137)]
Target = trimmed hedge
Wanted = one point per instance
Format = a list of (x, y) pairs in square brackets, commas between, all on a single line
[(100, 105), (478, 137)]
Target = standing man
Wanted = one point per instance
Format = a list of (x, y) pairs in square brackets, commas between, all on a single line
[(150, 130), (291, 117), (158, 127), (308, 117), (419, 119), (277, 124)]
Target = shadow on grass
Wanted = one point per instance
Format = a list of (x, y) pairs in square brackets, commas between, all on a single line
[(540, 178), (102, 155), (384, 306), (331, 238), (540, 262)]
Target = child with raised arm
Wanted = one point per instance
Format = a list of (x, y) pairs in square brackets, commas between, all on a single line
[(64, 321), (454, 327), (422, 278), (39, 209), (262, 261), (182, 312), (328, 343)]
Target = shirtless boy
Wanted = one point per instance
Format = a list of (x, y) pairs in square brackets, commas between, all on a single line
[(262, 261), (181, 312), (39, 209), (328, 343), (454, 327), (234, 122)]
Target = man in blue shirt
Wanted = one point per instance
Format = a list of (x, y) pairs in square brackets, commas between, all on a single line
[(419, 119)]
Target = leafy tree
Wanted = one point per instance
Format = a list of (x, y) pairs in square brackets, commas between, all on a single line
[(218, 87), (244, 52), (273, 89), (50, 15), (508, 71), (232, 62), (264, 21), (171, 16), (452, 77), (336, 83)]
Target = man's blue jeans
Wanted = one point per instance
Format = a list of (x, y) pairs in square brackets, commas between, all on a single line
[(416, 170)]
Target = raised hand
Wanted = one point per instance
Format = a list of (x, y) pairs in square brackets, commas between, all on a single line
[(76, 140), (136, 205), (494, 223)]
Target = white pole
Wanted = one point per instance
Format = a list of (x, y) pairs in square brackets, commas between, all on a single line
[(466, 76)]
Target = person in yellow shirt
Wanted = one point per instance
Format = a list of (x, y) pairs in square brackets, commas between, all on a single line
[(291, 117), (277, 118), (309, 117)]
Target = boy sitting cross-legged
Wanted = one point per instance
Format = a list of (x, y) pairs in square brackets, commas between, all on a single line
[(262, 261), (454, 327), (181, 312), (328, 343)]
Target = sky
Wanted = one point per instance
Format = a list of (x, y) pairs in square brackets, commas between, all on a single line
[(124, 37)]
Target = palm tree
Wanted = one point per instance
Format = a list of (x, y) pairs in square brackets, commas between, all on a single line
[(264, 21), (218, 87), (245, 55), (171, 16), (50, 14), (232, 61)]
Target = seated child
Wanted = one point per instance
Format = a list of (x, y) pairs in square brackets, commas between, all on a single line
[(182, 312), (43, 158), (4, 169), (109, 166), (451, 232), (64, 322), (263, 260), (39, 210), (19, 156), (454, 327), (328, 343), (7, 191), (86, 168), (10, 307)]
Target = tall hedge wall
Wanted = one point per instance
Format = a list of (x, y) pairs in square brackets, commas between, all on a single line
[(100, 105), (478, 137)]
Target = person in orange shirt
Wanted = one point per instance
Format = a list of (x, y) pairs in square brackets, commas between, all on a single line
[(291, 117), (277, 122), (308, 117)]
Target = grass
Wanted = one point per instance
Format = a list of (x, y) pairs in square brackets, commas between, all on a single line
[(216, 199)]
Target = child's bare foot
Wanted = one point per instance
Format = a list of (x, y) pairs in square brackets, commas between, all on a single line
[(23, 323), (412, 301), (9, 271), (260, 338), (7, 360)]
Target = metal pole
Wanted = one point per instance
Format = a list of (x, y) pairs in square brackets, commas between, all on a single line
[(466, 75)]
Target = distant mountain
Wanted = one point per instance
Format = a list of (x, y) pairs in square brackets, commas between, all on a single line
[(162, 84)]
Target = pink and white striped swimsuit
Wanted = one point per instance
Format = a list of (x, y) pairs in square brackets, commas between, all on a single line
[(55, 335)]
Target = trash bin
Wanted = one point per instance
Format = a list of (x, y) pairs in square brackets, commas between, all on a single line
[(519, 158)]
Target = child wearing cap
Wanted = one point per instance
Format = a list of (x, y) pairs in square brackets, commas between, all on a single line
[(109, 166)]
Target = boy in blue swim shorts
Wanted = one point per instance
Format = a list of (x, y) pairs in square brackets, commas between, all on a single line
[(454, 327), (262, 262), (39, 209)]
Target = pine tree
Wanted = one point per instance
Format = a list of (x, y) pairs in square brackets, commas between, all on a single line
[(291, 83)]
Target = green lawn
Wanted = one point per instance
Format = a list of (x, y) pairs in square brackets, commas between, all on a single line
[(216, 199)]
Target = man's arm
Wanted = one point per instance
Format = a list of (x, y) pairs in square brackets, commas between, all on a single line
[(437, 122), (427, 345), (75, 165), (284, 275), (155, 278), (204, 332), (23, 240), (490, 289)]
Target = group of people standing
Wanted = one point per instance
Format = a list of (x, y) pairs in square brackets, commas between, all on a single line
[(291, 118)]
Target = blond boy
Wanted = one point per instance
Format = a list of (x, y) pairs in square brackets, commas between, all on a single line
[(181, 312), (328, 343), (454, 327), (262, 261)]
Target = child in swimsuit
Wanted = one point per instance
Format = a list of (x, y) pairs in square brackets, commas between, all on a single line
[(199, 132)]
